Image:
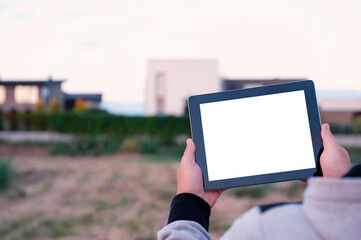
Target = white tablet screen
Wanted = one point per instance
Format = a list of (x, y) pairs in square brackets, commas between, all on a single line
[(257, 135)]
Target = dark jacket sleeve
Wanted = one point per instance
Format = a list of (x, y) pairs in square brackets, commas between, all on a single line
[(188, 219), (190, 207)]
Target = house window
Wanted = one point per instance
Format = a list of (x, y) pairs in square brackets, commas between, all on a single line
[(160, 92), (26, 94), (2, 94)]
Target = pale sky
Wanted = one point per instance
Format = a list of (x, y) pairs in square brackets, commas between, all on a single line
[(103, 45)]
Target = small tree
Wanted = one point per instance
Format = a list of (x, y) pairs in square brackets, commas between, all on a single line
[(54, 106), (39, 108), (13, 117), (40, 117), (27, 119), (79, 106)]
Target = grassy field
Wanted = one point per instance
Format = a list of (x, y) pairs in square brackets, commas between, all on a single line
[(116, 196)]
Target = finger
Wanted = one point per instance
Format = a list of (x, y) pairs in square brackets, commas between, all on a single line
[(329, 141), (191, 146), (189, 153)]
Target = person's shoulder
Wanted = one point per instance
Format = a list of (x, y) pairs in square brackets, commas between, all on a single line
[(245, 227), (271, 220)]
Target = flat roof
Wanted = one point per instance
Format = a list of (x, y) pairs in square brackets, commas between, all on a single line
[(30, 82), (264, 80)]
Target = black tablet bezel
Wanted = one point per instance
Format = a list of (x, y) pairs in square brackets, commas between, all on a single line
[(313, 119)]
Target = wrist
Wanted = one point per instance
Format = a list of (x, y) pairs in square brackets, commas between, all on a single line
[(200, 195)]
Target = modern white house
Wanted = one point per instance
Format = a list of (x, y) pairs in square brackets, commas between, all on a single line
[(170, 82)]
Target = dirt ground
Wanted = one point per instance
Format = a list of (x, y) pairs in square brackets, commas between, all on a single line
[(120, 196)]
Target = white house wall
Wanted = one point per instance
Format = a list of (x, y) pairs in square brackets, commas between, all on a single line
[(182, 78)]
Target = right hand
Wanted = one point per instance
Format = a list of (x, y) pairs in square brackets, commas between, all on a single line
[(335, 161)]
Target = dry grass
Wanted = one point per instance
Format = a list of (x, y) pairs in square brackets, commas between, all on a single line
[(120, 196)]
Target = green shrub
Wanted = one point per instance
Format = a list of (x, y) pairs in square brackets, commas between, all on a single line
[(87, 146), (63, 149), (40, 122), (357, 124), (130, 145), (251, 191), (5, 173), (93, 122), (111, 144), (13, 118), (164, 128), (26, 118), (148, 145), (92, 111), (341, 128)]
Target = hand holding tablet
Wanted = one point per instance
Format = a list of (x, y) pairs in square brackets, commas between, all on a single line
[(258, 135)]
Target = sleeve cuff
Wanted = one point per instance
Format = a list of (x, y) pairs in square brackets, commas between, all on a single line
[(187, 206)]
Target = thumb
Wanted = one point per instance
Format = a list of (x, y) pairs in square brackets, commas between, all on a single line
[(329, 141), (189, 153)]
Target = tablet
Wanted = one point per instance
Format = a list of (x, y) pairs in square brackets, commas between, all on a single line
[(257, 135)]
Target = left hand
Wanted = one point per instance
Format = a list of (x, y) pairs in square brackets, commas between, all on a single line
[(190, 179)]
